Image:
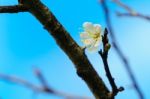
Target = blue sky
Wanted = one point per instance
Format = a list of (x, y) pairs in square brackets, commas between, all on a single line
[(24, 44)]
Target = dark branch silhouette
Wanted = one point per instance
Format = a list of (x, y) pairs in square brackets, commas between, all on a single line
[(13, 9), (104, 55), (118, 50)]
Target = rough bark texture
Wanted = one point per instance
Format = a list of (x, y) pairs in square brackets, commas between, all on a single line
[(12, 9), (84, 68)]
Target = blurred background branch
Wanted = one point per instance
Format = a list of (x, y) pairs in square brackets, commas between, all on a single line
[(117, 48), (130, 12), (44, 88)]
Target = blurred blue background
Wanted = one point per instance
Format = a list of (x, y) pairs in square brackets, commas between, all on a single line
[(24, 44)]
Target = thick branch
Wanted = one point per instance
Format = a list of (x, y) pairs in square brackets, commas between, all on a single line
[(84, 68), (13, 9)]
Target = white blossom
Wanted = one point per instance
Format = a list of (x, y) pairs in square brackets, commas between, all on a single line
[(91, 36)]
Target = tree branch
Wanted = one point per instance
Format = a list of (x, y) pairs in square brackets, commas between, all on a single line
[(118, 50), (43, 89), (13, 9), (83, 66), (130, 11), (104, 56), (23, 82)]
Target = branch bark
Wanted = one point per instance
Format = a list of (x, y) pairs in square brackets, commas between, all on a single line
[(13, 9), (76, 54)]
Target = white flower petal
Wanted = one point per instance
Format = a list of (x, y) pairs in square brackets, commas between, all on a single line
[(88, 42), (97, 43), (97, 28), (84, 35), (91, 36), (88, 27), (92, 49), (87, 24)]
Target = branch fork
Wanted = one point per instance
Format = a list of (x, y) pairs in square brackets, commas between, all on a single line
[(104, 55)]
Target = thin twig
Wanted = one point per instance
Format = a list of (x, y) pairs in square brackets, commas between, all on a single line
[(104, 56), (40, 77), (130, 11), (43, 89), (134, 15), (48, 89), (119, 3), (45, 86), (13, 9), (118, 50), (20, 81)]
